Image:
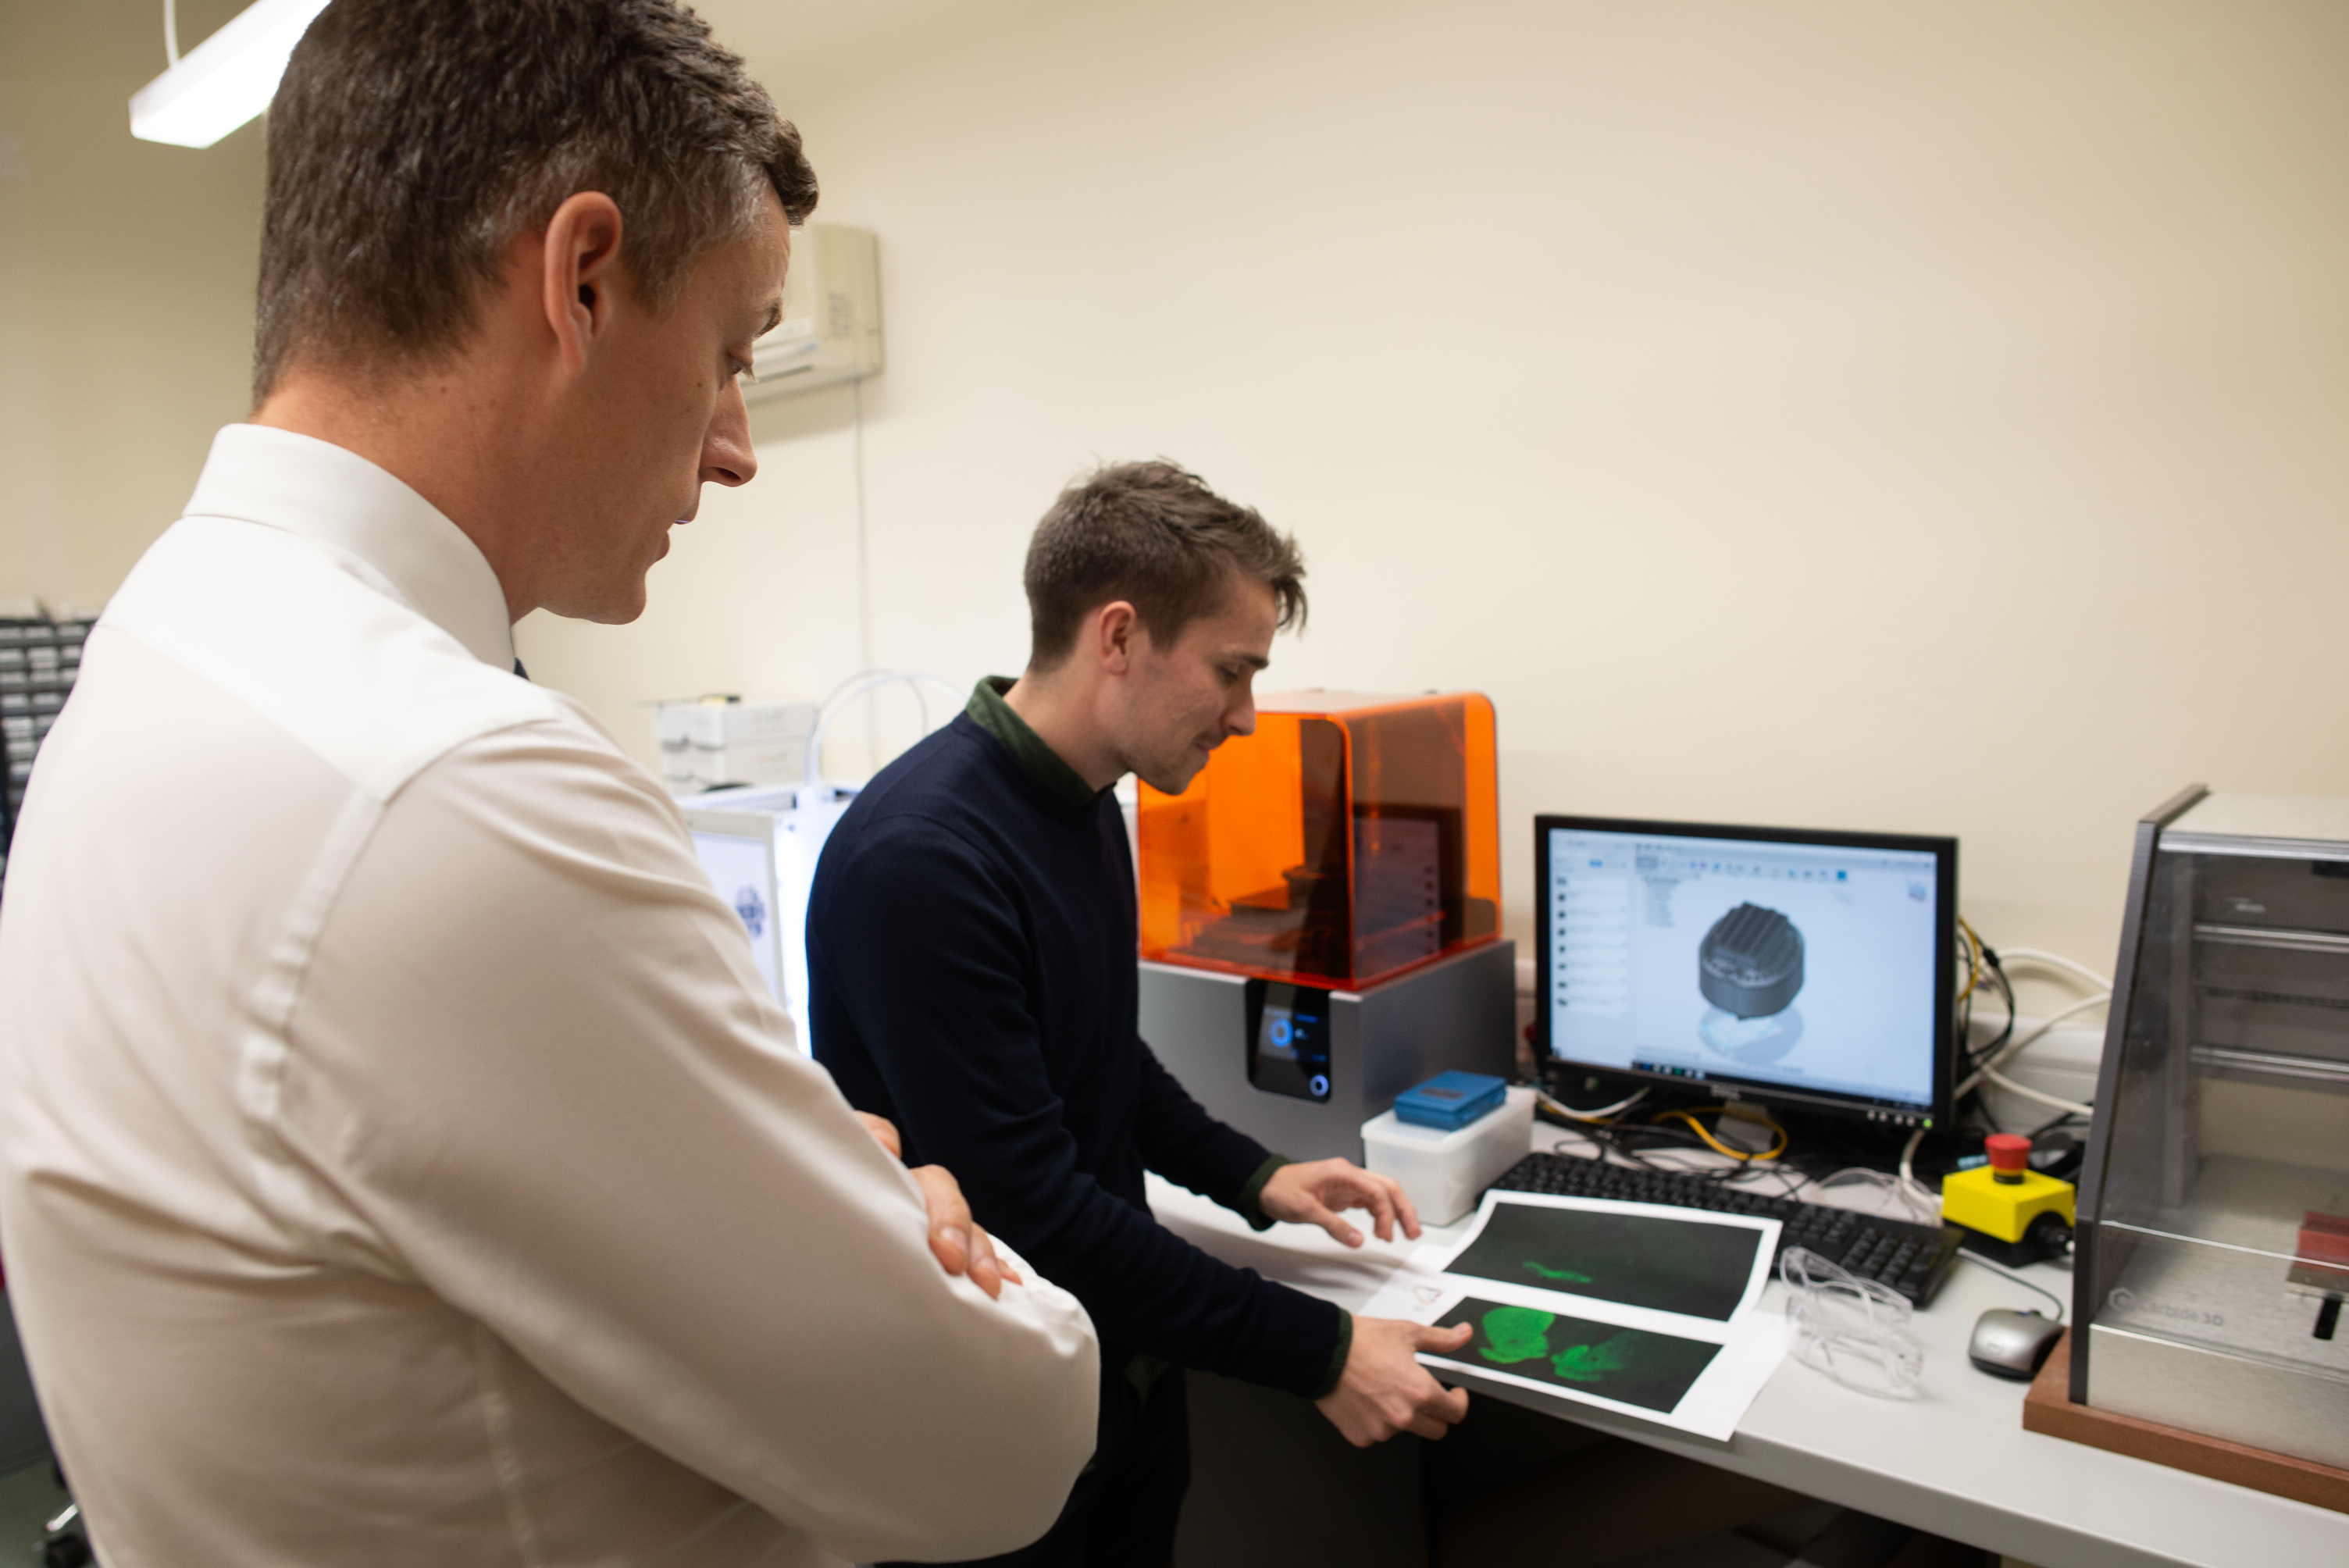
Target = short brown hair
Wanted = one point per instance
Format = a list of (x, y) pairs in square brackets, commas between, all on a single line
[(1156, 536), (411, 140)]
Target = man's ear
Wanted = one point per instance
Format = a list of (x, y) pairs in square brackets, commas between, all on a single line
[(580, 262), (1117, 631)]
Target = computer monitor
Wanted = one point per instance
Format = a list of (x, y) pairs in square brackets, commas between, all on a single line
[(1811, 970)]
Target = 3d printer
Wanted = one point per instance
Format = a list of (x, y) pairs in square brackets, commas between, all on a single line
[(2212, 1255), (1320, 915)]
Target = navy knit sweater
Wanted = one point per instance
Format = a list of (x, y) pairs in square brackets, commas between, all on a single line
[(971, 950)]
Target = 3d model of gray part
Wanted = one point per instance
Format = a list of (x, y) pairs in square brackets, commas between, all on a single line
[(1751, 962)]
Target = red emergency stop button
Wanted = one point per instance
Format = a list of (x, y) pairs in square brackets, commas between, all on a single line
[(2010, 1155)]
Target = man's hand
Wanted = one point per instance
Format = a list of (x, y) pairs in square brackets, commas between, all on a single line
[(955, 1240), (884, 1133), (1313, 1193), (1384, 1391)]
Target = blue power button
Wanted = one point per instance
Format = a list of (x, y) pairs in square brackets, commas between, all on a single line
[(1320, 1086)]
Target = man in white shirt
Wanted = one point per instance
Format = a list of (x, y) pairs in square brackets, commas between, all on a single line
[(400, 1161)]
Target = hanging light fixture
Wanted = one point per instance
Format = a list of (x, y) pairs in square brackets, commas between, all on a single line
[(224, 81)]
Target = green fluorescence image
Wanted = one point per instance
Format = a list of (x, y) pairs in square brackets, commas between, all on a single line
[(1628, 1366), (1593, 1363), (1516, 1334), (1694, 1267)]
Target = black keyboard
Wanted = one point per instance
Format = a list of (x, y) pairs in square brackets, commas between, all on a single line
[(1912, 1259)]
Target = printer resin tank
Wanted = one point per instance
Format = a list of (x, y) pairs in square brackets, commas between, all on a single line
[(1321, 914), (2212, 1254)]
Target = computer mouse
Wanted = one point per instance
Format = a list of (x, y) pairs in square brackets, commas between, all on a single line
[(2010, 1344)]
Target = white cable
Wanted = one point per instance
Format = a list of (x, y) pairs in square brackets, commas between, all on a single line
[(849, 691), (171, 31), (2027, 1092), (864, 580), (1564, 1109), (2054, 961), (1907, 1193), (2006, 1052), (1909, 1183)]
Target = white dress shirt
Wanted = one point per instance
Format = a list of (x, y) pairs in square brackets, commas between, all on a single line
[(400, 1159)]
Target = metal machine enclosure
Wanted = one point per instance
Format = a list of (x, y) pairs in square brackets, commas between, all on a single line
[(1458, 1012), (2212, 1251)]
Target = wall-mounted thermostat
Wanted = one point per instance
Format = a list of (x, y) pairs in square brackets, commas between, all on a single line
[(830, 330)]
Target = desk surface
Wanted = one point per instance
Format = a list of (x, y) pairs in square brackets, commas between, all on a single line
[(1955, 1461)]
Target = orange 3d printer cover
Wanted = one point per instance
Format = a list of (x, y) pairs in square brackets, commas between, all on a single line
[(1349, 838)]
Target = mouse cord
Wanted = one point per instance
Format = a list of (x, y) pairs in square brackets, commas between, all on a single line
[(2010, 1274)]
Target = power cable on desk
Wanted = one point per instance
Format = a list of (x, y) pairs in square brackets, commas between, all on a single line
[(1909, 1183), (1634, 1142), (1920, 1207), (1984, 1262), (1718, 1147)]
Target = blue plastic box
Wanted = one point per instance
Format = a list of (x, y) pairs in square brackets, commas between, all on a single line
[(1451, 1100)]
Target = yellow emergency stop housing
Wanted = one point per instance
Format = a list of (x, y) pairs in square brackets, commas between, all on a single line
[(1979, 1200)]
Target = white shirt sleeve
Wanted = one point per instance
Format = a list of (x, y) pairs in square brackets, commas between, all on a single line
[(534, 1068)]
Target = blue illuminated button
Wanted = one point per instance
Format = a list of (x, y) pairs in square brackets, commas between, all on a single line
[(1279, 1031), (1318, 1084)]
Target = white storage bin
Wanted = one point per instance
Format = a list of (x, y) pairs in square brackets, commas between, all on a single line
[(1446, 1172)]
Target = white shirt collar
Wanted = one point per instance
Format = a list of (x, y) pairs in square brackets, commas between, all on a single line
[(322, 491)]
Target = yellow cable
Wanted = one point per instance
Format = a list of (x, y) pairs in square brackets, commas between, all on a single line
[(1974, 958), (1716, 1144)]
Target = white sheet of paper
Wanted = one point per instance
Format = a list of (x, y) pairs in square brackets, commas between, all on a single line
[(1751, 1342)]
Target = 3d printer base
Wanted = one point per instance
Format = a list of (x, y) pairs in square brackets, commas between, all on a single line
[(1457, 1012), (2048, 1411)]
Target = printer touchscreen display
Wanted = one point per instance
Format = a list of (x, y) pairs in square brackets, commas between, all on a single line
[(1289, 1048)]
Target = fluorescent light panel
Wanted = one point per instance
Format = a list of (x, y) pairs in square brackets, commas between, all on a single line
[(227, 79)]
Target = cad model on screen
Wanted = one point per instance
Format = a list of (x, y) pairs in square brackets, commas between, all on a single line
[(1807, 967)]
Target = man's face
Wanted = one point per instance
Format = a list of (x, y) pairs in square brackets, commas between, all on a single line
[(1181, 701), (660, 415)]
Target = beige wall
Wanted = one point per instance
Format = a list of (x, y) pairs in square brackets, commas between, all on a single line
[(1928, 417), (126, 294)]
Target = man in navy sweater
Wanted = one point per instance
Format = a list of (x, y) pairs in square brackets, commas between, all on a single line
[(971, 951)]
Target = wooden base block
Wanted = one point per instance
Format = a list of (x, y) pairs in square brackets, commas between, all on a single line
[(2048, 1410)]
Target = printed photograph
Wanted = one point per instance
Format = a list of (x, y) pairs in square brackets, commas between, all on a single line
[(1630, 1366), (1686, 1266)]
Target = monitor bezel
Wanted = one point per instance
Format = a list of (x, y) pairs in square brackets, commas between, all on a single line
[(1945, 942)]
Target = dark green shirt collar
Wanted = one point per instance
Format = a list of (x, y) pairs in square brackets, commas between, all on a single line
[(1041, 763)]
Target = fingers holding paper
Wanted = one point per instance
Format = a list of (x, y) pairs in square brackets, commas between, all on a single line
[(1384, 1391)]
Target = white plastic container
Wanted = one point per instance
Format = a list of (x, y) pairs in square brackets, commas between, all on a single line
[(1446, 1172)]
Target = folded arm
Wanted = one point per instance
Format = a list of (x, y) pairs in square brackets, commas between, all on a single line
[(597, 1141)]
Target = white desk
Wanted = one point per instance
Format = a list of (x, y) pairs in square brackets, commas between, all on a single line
[(1955, 1461)]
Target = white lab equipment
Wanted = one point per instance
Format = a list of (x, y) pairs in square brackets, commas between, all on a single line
[(713, 741), (760, 846), (1446, 1171)]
